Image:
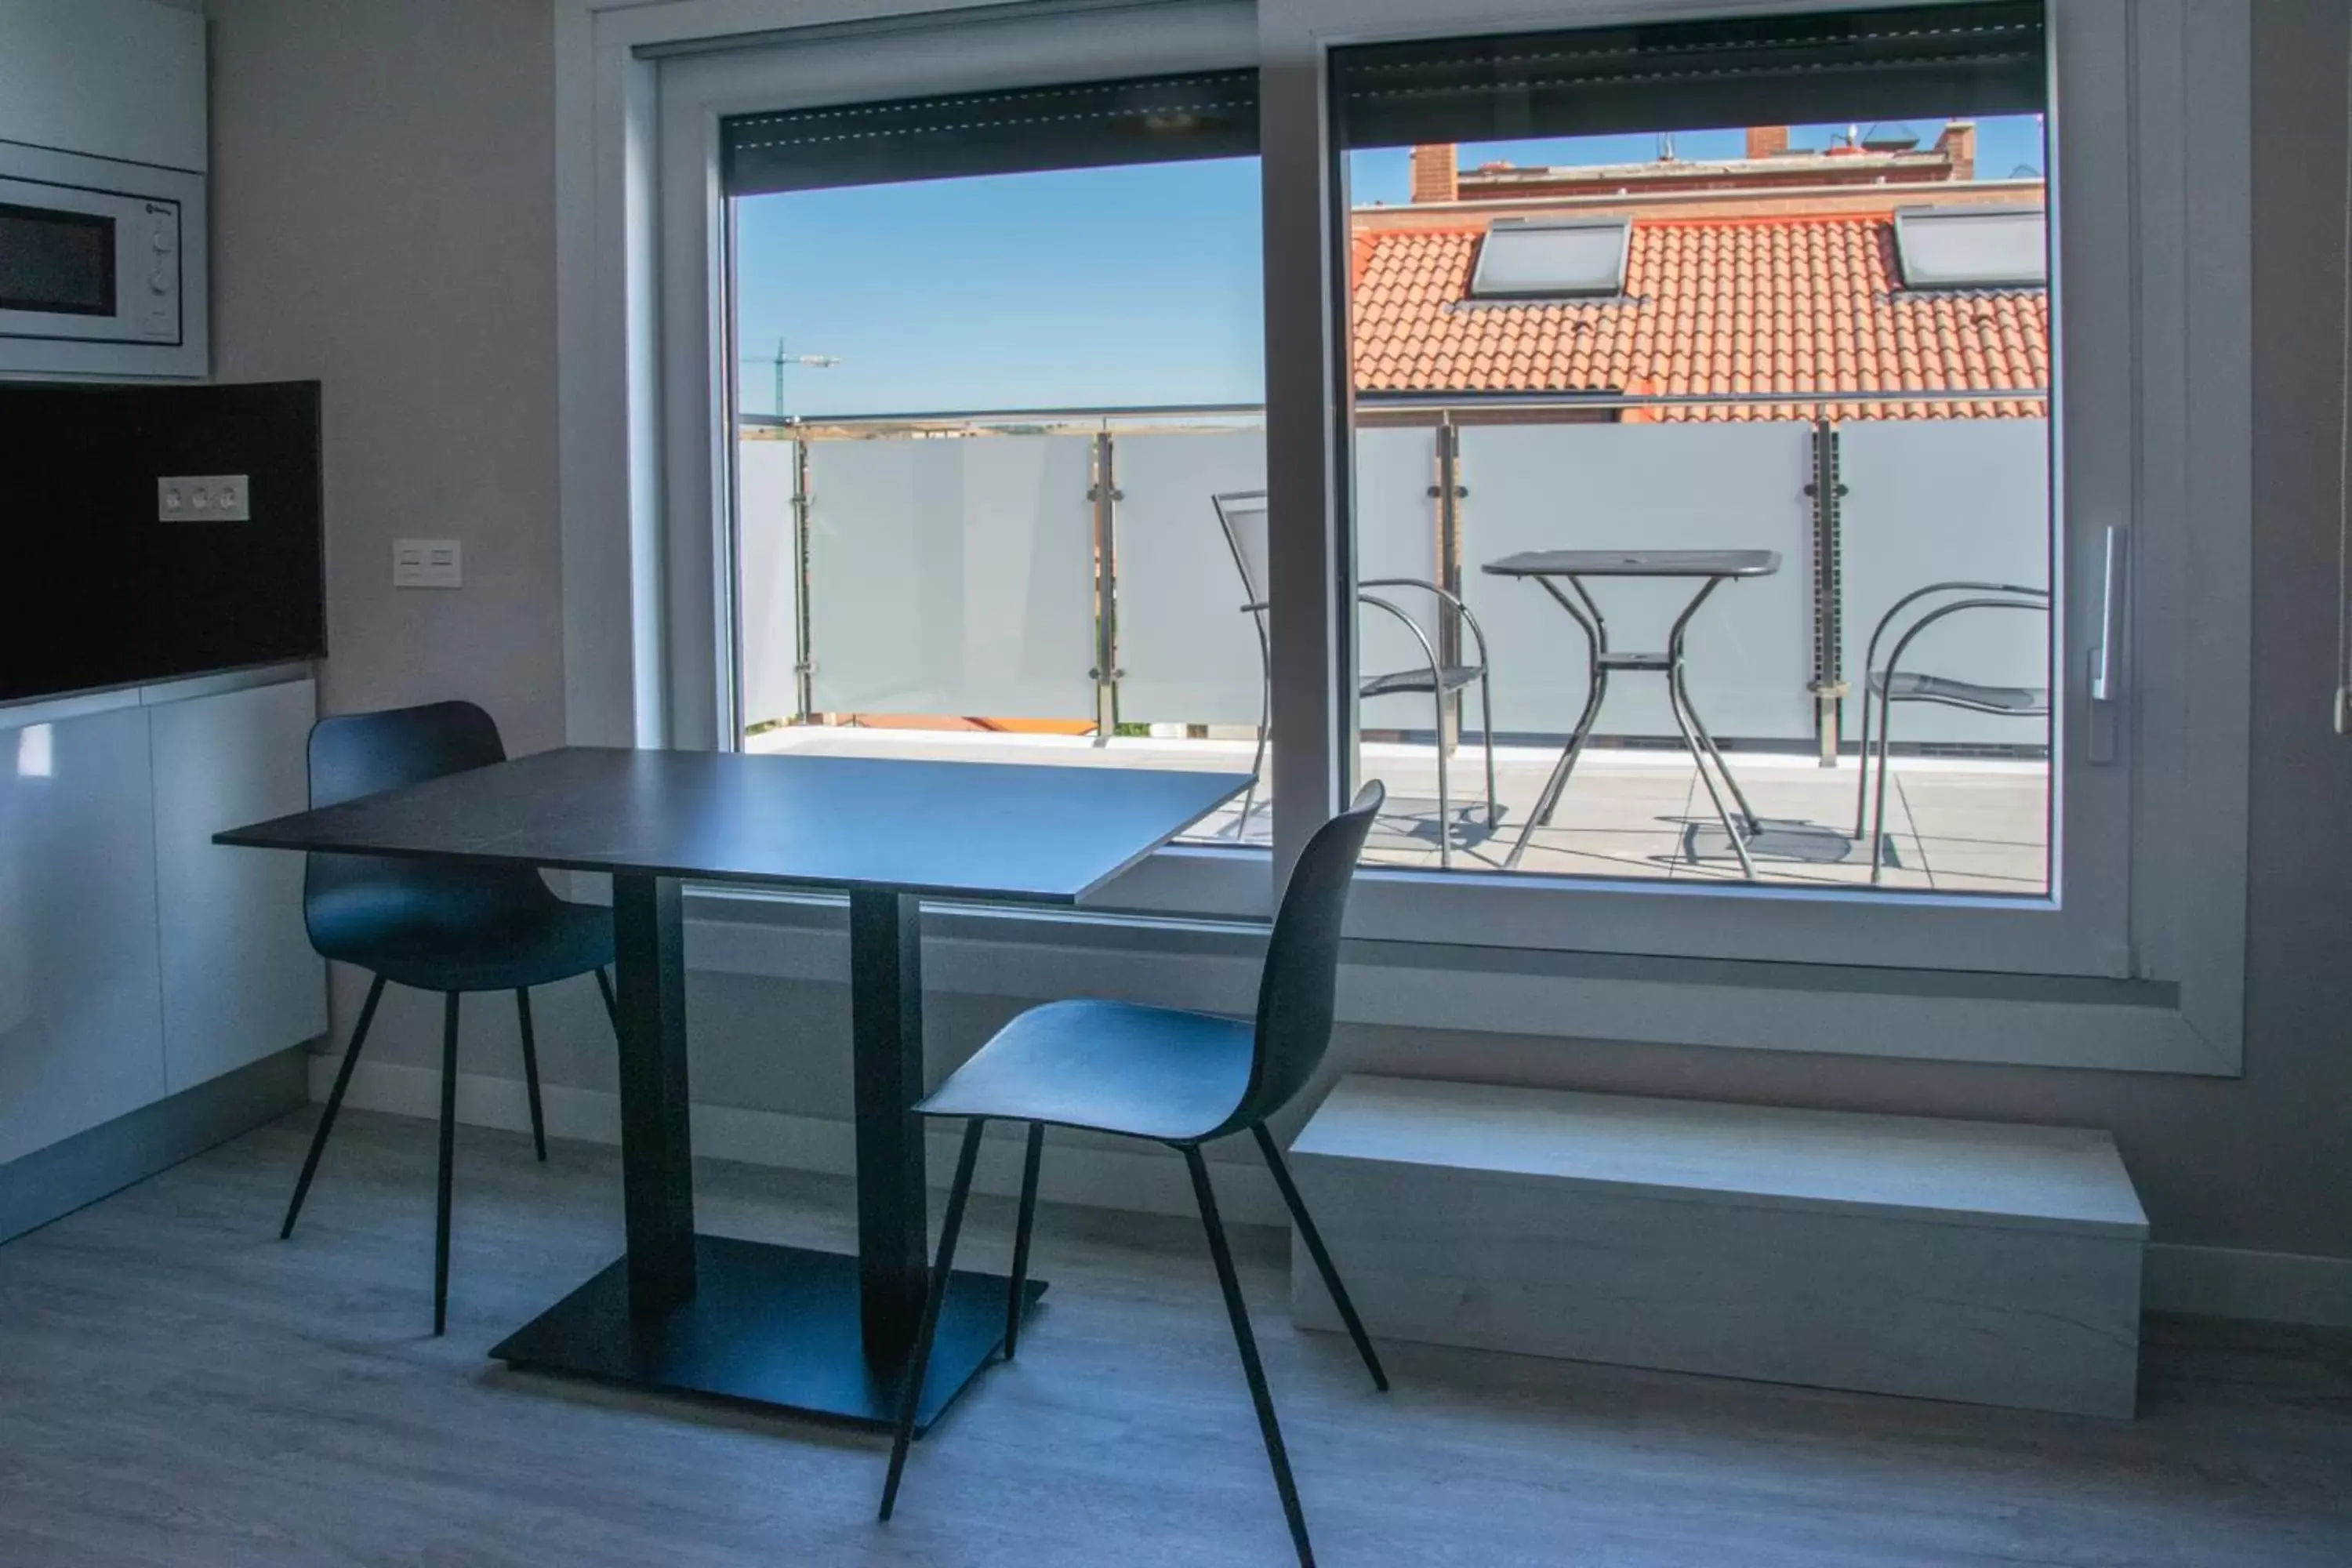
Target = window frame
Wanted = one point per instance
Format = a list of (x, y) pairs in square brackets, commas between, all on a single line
[(643, 503)]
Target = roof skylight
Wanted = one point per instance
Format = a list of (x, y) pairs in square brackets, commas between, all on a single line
[(1973, 247), (1550, 257)]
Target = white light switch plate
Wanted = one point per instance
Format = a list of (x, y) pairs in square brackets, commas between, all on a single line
[(205, 497), (427, 563)]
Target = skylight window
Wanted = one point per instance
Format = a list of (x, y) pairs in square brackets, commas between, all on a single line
[(1549, 259), (1973, 247)]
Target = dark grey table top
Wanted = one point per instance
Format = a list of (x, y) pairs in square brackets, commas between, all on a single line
[(1637, 563), (995, 830)]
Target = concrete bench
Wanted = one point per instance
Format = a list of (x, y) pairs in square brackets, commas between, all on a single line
[(1961, 1260)]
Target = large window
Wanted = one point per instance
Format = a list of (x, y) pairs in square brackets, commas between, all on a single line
[(1701, 501), (998, 357), (1300, 388)]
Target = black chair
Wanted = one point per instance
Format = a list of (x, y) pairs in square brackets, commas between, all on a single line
[(451, 929), (1175, 1078)]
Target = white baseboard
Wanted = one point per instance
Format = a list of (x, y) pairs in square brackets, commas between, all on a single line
[(2211, 1281), (2232, 1282), (1135, 1176)]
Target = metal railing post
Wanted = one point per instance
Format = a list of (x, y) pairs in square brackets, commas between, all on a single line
[(803, 662), (1829, 687), (1104, 494), (1448, 492)]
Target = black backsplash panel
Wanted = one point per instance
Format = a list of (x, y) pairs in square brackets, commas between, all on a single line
[(95, 591)]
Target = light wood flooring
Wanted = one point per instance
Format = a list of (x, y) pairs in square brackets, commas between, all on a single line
[(178, 1387)]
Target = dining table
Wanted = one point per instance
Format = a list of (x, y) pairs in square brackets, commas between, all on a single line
[(798, 1328)]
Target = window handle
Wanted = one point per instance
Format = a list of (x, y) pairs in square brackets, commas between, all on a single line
[(2107, 654)]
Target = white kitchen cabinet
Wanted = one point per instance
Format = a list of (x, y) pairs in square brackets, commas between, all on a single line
[(81, 989), (240, 981), (107, 78)]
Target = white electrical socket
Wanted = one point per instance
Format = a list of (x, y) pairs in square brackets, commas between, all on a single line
[(205, 497), (427, 564)]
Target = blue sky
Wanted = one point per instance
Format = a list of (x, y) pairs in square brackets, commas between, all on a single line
[(1076, 288)]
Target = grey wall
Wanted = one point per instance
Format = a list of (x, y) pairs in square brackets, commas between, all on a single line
[(385, 203)]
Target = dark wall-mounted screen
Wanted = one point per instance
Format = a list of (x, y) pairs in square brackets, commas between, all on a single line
[(97, 591)]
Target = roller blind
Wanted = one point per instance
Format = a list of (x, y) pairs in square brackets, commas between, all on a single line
[(1151, 120), (1913, 62)]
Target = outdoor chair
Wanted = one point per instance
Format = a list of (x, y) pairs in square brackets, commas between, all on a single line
[(451, 929), (1241, 515), (1174, 1078), (1893, 684)]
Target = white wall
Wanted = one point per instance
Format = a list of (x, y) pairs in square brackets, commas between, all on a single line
[(383, 216)]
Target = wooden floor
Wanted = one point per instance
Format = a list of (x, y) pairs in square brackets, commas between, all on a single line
[(177, 1386)]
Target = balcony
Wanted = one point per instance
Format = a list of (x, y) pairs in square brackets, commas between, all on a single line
[(1058, 587)]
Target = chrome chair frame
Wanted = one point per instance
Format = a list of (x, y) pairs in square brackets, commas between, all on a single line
[(1879, 686), (1443, 681)]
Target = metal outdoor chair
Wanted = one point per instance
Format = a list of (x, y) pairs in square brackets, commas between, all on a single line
[(451, 929), (1895, 684), (1174, 1078), (1241, 515)]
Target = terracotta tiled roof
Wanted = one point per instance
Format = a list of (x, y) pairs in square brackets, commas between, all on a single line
[(1780, 303)]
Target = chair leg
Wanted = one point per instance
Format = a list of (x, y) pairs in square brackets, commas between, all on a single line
[(1248, 1343), (1878, 817), (1444, 802), (1022, 1228), (334, 1104), (448, 1160), (919, 1357), (1487, 719), (530, 1073), (1862, 763), (1257, 762), (1323, 1263), (612, 1009)]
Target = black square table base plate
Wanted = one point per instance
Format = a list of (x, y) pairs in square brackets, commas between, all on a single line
[(774, 1326)]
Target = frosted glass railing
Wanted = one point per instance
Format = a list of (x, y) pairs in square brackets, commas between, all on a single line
[(956, 575)]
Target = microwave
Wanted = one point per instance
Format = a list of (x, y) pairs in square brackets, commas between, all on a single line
[(101, 267)]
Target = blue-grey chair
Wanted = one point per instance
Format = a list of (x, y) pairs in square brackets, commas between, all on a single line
[(445, 927), (1175, 1078)]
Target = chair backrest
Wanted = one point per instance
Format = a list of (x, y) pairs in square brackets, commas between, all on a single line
[(357, 754), (1294, 995), (1241, 514)]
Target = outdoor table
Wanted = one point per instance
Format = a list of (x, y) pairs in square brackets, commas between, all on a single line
[(1710, 569), (807, 1330)]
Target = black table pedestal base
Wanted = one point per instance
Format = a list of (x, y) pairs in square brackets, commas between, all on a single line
[(773, 1326)]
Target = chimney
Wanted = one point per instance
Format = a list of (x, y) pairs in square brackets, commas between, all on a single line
[(1434, 176), (1767, 141), (1958, 143)]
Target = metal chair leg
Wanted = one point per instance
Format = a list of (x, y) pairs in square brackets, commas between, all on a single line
[(919, 1357), (1862, 759), (448, 1160), (1878, 817), (530, 1073), (612, 1009), (334, 1104), (1323, 1263), (1445, 805), (1247, 1344), (1486, 718), (1022, 1228)]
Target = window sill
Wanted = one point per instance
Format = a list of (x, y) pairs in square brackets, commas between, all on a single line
[(1212, 964)]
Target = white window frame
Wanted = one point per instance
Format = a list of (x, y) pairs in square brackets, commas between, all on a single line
[(2139, 968)]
